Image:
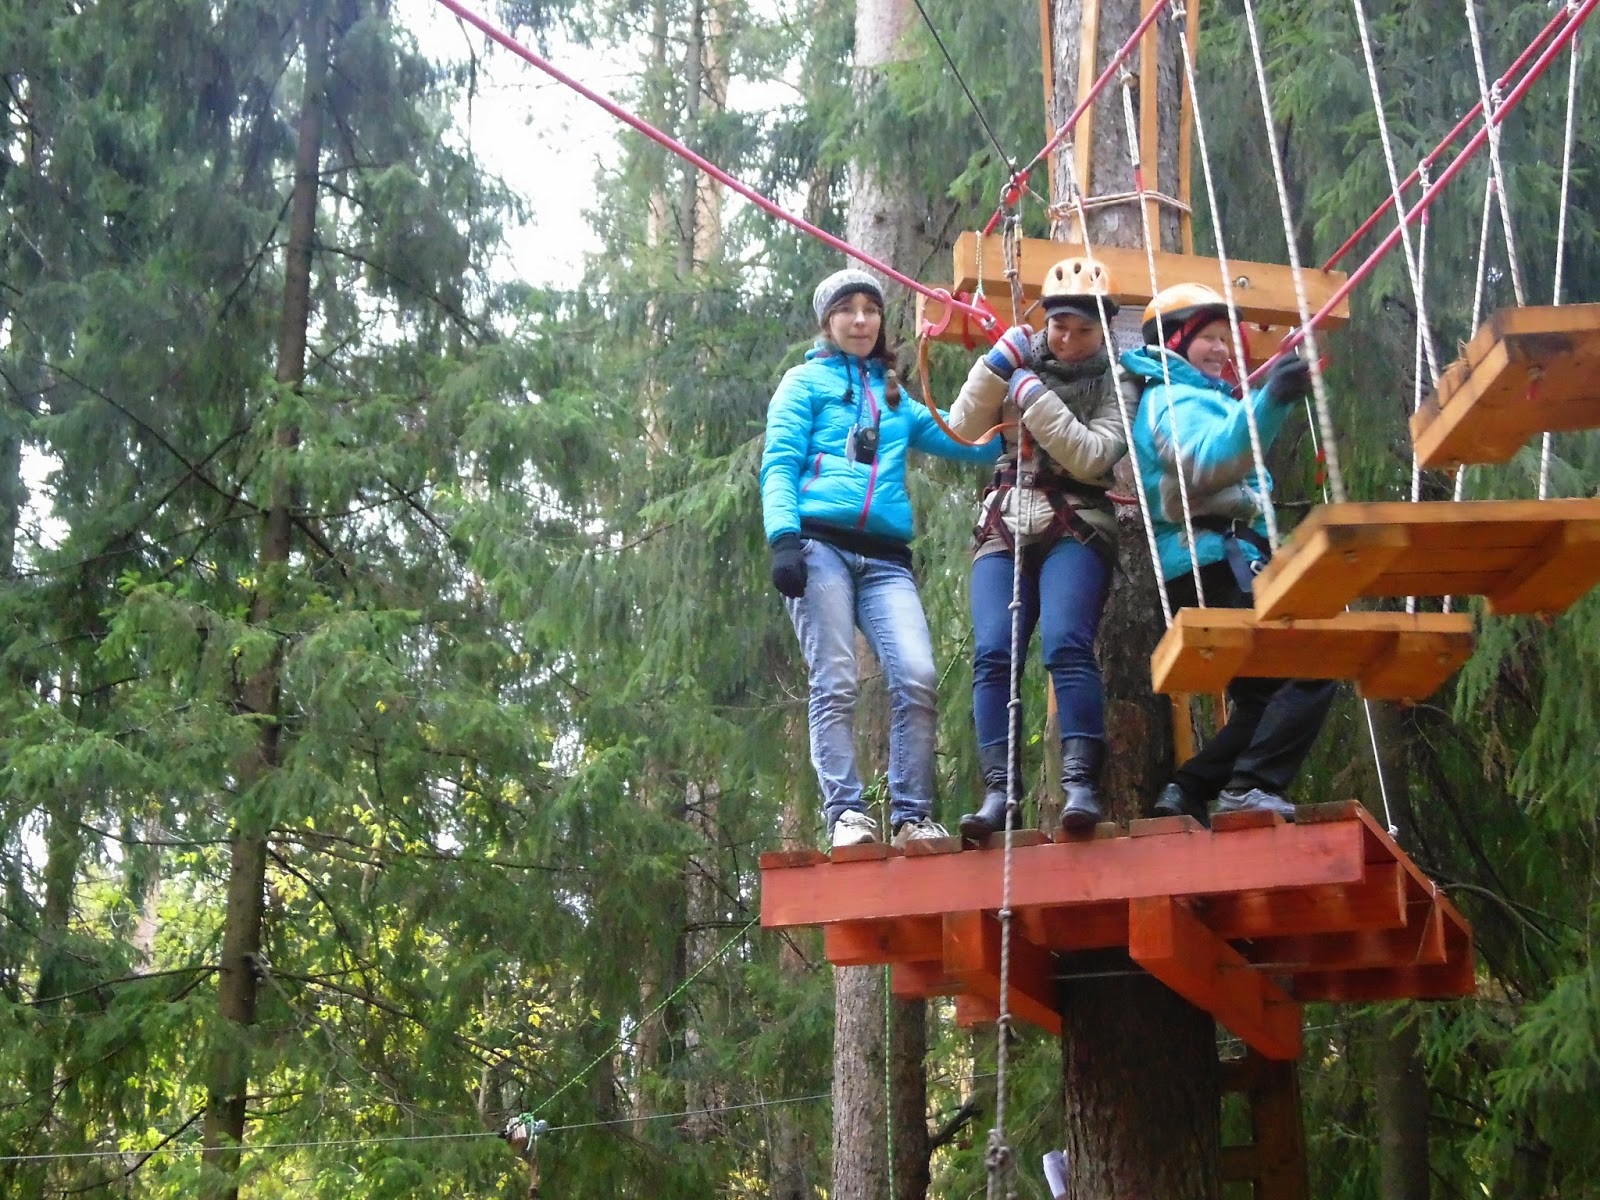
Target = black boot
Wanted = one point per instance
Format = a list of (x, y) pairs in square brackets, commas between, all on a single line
[(991, 814), (1175, 802), (1080, 780)]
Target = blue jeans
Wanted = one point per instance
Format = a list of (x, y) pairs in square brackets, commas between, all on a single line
[(846, 591), (1063, 593)]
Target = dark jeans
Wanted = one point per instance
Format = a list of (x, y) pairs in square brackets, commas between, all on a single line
[(1272, 723), (1063, 593)]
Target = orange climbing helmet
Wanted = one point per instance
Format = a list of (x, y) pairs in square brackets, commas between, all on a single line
[(1079, 283), (1179, 312)]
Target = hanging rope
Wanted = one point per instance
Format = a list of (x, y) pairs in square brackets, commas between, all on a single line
[(998, 1159), (1561, 235), (1308, 329), (1491, 103), (1161, 337), (1268, 508), (1005, 158), (1075, 194), (1446, 177)]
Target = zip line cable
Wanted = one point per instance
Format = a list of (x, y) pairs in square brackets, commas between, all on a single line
[(1010, 163), (639, 125)]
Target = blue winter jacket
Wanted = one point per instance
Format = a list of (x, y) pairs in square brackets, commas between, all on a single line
[(804, 471), (1202, 417)]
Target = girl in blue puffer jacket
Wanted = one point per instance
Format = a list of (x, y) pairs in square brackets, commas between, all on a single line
[(1191, 424), (838, 520)]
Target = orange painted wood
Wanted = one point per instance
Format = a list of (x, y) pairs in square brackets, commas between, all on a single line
[(920, 980), (1453, 978), (975, 1010), (1114, 868), (926, 846), (866, 852), (1167, 940), (1419, 943), (972, 943), (1079, 927), (1164, 826), (1527, 370), (1019, 838), (1378, 902), (865, 943), (776, 860), (1525, 555)]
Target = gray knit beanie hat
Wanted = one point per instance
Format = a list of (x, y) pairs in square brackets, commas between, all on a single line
[(841, 284)]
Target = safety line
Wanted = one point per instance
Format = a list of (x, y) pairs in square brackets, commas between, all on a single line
[(971, 99), (1426, 199), (493, 32)]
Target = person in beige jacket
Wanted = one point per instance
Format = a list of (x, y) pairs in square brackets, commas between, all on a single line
[(1051, 508)]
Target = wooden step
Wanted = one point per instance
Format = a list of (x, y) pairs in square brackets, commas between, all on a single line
[(1527, 371), (1526, 556), (1390, 656)]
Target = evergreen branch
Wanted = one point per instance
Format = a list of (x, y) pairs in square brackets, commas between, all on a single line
[(206, 968), (309, 839), (165, 843)]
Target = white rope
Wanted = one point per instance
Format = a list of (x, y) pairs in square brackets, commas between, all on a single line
[(1417, 290), (1319, 387), (1161, 338), (1561, 234), (1256, 450), (1074, 192), (1491, 121)]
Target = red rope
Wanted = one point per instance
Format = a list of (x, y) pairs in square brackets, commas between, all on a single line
[(1431, 193), (1071, 122), (985, 320), (1449, 139)]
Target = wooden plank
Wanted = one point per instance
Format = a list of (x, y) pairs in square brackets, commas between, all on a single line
[(1264, 292), (923, 847), (1186, 131), (1019, 837), (1183, 746), (1107, 869), (777, 860), (867, 943), (1378, 902), (1394, 548), (1168, 940), (1150, 123), (1164, 826), (972, 943), (975, 1010), (1392, 656), (866, 852), (1421, 942), (1047, 41), (920, 980), (1453, 978), (1554, 576), (1088, 70), (1250, 818), (1325, 559), (1079, 927)]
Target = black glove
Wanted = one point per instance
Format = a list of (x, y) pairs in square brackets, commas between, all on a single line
[(1289, 379), (789, 565)]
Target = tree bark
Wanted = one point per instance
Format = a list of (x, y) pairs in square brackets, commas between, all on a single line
[(241, 965), (1139, 1064)]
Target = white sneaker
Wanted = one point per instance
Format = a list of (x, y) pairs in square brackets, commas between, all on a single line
[(922, 829), (854, 829)]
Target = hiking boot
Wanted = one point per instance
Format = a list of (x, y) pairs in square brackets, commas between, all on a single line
[(1080, 778), (1252, 800), (922, 829), (854, 829), (991, 814)]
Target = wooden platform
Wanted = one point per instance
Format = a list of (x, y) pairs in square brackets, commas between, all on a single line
[(1527, 370), (1247, 920), (1526, 556), (1390, 656), (1264, 291)]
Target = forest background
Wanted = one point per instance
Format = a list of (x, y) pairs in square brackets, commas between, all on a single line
[(403, 625)]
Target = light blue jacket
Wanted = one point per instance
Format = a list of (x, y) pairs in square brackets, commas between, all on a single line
[(1196, 424), (804, 470)]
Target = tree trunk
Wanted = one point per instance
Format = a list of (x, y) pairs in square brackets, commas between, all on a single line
[(791, 1170), (1400, 1082), (241, 966), (1139, 1064)]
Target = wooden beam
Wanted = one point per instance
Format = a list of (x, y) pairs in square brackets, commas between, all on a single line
[(866, 943), (1077, 872), (1183, 746), (1526, 555), (1088, 69), (1392, 656), (1150, 122), (921, 980), (1168, 940), (1378, 902), (972, 944), (1420, 943), (1264, 291), (1047, 41), (1186, 132)]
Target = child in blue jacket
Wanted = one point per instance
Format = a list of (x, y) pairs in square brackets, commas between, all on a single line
[(838, 521), (1191, 421)]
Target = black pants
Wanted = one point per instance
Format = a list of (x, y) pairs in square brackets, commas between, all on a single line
[(1272, 723)]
